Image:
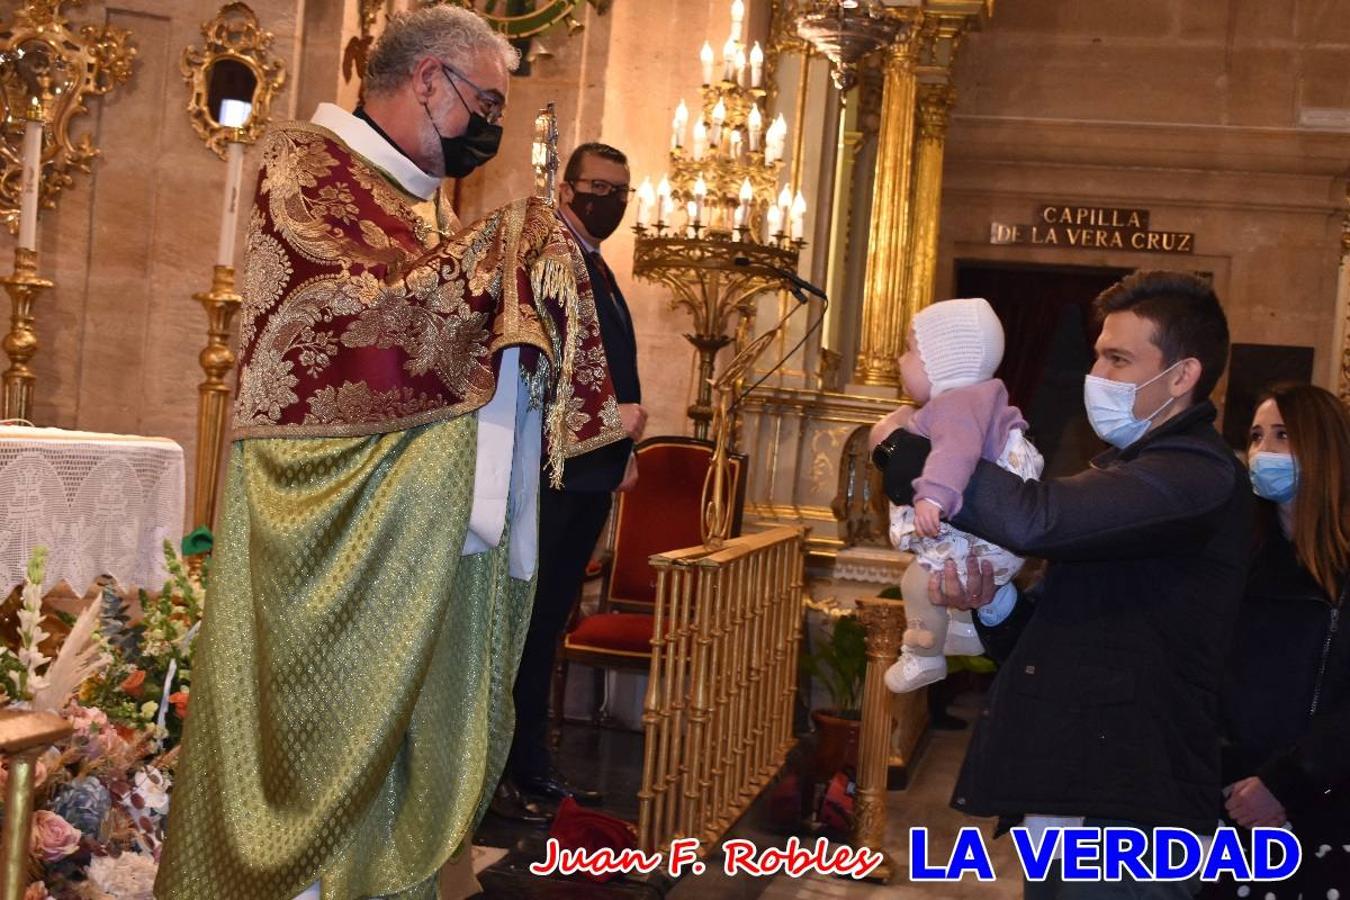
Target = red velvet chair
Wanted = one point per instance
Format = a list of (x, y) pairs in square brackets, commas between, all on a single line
[(663, 512)]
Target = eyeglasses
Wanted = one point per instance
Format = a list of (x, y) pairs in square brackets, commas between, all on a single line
[(491, 104), (602, 188)]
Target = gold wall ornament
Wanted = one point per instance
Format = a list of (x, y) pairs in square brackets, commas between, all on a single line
[(236, 64), (51, 70)]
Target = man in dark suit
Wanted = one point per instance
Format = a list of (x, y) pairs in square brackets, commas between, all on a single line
[(592, 199)]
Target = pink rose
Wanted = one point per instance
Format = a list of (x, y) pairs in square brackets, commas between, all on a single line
[(36, 891), (53, 837)]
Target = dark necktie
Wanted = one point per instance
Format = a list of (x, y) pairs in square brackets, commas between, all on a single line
[(599, 262)]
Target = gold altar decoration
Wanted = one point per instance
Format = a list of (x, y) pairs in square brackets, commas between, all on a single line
[(718, 226), (213, 395), (56, 69), (21, 343), (232, 81), (717, 716), (884, 621), (235, 64), (24, 736)]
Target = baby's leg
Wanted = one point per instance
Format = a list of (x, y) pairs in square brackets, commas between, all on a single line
[(925, 624), (962, 638), (921, 661)]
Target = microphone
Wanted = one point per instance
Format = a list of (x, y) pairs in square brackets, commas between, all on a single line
[(787, 275)]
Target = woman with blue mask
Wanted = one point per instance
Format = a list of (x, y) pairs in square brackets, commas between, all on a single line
[(1287, 695)]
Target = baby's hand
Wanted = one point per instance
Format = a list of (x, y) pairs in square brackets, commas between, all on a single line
[(927, 518), (883, 429)]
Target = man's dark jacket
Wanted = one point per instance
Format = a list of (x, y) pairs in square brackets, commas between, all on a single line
[(1107, 701)]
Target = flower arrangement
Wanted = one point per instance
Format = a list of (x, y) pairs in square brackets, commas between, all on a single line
[(121, 676)]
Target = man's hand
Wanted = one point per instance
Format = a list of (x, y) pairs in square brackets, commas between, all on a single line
[(634, 418), (883, 429), (1251, 804), (630, 475), (927, 518), (944, 588)]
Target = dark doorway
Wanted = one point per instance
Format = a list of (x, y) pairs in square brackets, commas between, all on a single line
[(1049, 332)]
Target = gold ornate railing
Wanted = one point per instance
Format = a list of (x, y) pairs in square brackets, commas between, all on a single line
[(718, 711)]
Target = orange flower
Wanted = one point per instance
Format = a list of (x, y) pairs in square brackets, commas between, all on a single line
[(132, 684), (180, 703)]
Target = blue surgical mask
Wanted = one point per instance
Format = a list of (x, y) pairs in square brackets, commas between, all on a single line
[(1274, 476), (1110, 408)]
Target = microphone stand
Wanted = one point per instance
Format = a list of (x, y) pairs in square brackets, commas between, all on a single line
[(717, 512)]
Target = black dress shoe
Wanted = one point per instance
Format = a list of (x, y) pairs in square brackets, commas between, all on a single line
[(554, 786), (508, 803)]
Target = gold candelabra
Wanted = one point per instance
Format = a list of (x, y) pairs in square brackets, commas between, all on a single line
[(717, 228), (23, 286), (217, 360)]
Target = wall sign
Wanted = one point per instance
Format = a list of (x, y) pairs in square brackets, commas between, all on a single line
[(1092, 228)]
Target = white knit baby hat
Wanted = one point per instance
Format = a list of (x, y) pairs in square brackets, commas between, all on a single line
[(960, 341)]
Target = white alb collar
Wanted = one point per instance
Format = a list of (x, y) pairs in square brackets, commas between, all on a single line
[(367, 143)]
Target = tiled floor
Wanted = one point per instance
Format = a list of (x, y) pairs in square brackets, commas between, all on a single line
[(611, 761)]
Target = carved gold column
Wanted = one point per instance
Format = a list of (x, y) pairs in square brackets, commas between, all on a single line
[(21, 343), (939, 39), (217, 359), (883, 315), (884, 621)]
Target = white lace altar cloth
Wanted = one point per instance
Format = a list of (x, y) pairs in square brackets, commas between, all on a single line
[(100, 504)]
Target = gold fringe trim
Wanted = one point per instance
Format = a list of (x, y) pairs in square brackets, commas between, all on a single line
[(555, 279)]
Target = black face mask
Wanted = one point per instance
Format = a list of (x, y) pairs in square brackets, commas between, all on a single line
[(600, 215), (473, 148)]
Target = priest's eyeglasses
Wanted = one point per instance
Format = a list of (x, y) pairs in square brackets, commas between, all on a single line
[(602, 188), (491, 104)]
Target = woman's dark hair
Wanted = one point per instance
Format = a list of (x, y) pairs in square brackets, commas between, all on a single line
[(1319, 436)]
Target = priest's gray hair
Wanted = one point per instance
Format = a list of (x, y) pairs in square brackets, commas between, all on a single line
[(451, 34)]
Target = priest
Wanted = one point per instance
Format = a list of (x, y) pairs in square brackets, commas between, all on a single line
[(401, 378)]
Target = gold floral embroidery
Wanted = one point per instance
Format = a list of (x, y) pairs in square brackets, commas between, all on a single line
[(356, 402)]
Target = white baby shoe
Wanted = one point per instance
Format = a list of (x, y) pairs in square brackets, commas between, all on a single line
[(911, 672)]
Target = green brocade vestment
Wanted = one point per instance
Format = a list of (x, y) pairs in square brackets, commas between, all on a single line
[(351, 703), (351, 709)]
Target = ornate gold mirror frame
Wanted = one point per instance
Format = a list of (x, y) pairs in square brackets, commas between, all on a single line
[(52, 70), (233, 40)]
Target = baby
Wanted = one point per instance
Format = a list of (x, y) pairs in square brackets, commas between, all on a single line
[(951, 352)]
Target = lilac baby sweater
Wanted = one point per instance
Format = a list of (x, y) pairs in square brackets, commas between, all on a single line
[(966, 425)]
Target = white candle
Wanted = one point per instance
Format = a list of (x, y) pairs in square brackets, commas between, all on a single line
[(30, 178), (719, 115), (740, 66), (756, 65), (680, 123), (798, 217), (773, 223), (667, 205), (755, 124), (646, 200), (729, 60), (743, 210), (737, 16), (229, 216), (705, 56), (700, 196), (785, 199), (691, 210), (735, 143), (700, 139)]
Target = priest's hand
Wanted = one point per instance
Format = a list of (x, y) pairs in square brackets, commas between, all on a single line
[(630, 475), (634, 418), (1251, 804)]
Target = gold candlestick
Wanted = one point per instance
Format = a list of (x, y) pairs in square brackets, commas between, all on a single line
[(217, 359), (21, 343)]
